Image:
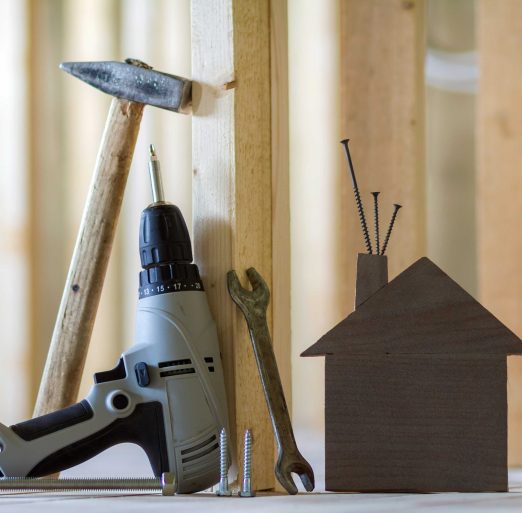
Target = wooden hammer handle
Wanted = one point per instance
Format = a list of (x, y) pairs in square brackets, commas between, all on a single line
[(72, 331)]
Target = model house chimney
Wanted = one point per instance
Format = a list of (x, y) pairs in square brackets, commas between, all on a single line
[(372, 275)]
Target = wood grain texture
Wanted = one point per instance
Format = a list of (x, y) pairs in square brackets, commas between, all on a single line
[(280, 194), (421, 311), (416, 423), (372, 275), (499, 181), (76, 316), (382, 94), (233, 193)]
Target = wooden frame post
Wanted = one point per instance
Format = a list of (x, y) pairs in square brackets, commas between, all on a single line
[(382, 95), (499, 182), (233, 206)]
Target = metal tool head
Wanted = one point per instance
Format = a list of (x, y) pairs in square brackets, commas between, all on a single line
[(249, 300), (293, 462), (135, 81)]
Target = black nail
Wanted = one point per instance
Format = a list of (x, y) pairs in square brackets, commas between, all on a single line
[(390, 228), (358, 201), (376, 220)]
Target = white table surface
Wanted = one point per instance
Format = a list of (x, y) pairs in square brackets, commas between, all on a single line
[(128, 460)]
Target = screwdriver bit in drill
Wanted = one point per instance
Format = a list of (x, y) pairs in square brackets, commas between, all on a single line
[(158, 196)]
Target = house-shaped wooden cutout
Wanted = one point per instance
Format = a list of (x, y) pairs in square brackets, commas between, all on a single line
[(415, 386)]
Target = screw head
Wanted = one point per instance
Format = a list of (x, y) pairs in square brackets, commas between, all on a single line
[(168, 483), (223, 493), (247, 493)]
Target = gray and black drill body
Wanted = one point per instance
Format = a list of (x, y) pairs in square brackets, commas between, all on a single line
[(166, 393)]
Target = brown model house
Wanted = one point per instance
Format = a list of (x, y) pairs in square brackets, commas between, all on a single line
[(415, 386)]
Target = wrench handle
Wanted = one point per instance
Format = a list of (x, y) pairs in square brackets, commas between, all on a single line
[(270, 379)]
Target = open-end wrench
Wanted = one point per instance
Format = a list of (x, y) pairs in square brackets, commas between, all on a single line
[(253, 303)]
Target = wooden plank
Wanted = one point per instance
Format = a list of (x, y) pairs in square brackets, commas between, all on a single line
[(416, 423), (499, 182), (232, 191), (280, 194), (382, 62)]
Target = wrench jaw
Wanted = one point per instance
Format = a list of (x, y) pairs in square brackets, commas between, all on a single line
[(260, 289), (249, 300), (286, 465)]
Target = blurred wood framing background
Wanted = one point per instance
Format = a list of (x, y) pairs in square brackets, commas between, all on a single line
[(353, 68)]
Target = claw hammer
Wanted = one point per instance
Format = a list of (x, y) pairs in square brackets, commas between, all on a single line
[(133, 84)]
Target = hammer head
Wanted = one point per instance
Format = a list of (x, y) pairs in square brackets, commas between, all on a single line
[(135, 81)]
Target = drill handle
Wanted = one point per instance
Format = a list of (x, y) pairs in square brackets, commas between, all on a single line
[(67, 437)]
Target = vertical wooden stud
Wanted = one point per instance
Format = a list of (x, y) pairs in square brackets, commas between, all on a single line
[(280, 193), (232, 188), (499, 183), (46, 202), (382, 63)]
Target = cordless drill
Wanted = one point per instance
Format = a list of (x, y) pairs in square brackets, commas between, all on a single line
[(166, 394)]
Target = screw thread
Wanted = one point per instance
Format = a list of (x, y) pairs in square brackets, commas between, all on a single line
[(362, 219), (247, 458), (358, 201), (390, 228), (246, 488), (80, 484), (223, 454), (223, 465), (376, 221)]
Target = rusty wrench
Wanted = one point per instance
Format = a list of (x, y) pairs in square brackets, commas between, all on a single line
[(254, 304)]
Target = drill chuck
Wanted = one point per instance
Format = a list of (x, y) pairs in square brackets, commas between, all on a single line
[(164, 237), (165, 247)]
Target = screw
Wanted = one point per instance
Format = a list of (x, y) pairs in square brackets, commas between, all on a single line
[(223, 490), (390, 228), (376, 219), (167, 484), (358, 201), (246, 488)]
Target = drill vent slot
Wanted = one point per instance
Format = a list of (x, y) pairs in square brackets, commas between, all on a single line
[(174, 363), (177, 372), (209, 359), (198, 452), (201, 454), (198, 446)]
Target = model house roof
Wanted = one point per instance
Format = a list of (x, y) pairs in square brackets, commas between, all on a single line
[(421, 311)]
